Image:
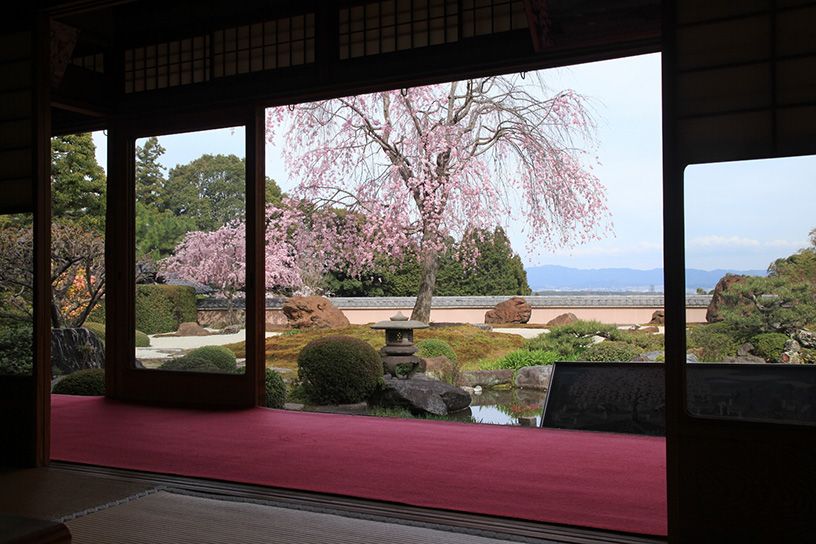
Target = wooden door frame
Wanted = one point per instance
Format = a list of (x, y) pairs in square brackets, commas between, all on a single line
[(123, 380)]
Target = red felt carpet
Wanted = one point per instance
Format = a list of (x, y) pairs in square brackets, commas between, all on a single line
[(606, 481)]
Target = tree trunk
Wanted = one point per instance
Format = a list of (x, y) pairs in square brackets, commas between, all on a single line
[(427, 283)]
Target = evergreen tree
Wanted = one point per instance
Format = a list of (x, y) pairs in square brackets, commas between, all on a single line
[(150, 179), (77, 182)]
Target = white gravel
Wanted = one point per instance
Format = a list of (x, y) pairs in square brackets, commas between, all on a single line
[(165, 347), (526, 333)]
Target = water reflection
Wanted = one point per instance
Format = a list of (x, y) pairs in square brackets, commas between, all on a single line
[(506, 407)]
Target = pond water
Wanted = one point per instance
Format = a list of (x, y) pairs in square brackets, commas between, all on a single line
[(505, 407)]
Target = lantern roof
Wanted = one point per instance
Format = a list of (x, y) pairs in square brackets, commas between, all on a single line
[(400, 322)]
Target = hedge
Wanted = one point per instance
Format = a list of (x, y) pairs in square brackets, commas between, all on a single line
[(275, 390), (142, 340), (162, 308), (16, 348)]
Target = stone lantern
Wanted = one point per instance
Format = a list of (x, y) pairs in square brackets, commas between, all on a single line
[(398, 353)]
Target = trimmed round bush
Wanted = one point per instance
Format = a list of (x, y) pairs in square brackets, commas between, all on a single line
[(769, 345), (204, 359), (142, 340), (87, 382), (611, 351), (435, 348), (339, 370), (275, 390)]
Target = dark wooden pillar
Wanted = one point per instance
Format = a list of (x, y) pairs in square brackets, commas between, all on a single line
[(255, 275), (119, 258)]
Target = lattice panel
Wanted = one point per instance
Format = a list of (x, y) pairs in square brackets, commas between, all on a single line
[(94, 63), (167, 64), (386, 26), (289, 41), (481, 17)]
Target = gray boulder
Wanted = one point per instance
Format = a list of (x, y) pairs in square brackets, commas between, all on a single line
[(792, 345), (648, 357), (422, 394), (487, 378), (534, 377), (806, 338)]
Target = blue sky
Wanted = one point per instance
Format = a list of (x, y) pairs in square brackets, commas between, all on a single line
[(738, 215)]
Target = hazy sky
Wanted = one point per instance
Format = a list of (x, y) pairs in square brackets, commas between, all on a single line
[(738, 215)]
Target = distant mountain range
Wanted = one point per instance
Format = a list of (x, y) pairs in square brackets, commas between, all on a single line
[(563, 278)]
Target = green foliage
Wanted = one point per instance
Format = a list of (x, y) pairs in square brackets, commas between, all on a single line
[(784, 301), (769, 345), (275, 390), (16, 348), (204, 359), (339, 369), (611, 351), (162, 308), (150, 179), (210, 190), (158, 232), (435, 348), (82, 382), (643, 340), (712, 342), (77, 182), (808, 356), (521, 358), (496, 270), (572, 340)]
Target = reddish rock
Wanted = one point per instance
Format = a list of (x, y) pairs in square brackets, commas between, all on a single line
[(658, 318), (725, 283), (514, 310), (313, 312), (563, 319), (191, 328)]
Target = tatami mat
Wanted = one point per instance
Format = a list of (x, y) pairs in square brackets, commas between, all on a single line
[(167, 517), (45, 493)]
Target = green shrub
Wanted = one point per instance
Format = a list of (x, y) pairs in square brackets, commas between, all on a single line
[(769, 345), (16, 348), (162, 308), (711, 343), (808, 356), (610, 351), (82, 382), (521, 358), (435, 348), (275, 390), (570, 341), (644, 340), (204, 359), (142, 340), (339, 370)]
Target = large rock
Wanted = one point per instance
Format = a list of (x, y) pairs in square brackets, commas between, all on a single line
[(806, 338), (658, 317), (534, 377), (563, 319), (487, 378), (76, 349), (313, 312), (514, 310), (725, 283), (422, 394)]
